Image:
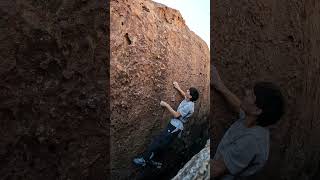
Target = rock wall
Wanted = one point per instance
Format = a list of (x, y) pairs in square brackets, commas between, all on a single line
[(52, 90), (276, 41), (151, 47)]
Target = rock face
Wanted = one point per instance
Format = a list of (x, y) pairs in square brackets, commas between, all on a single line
[(198, 167), (52, 90), (276, 41), (151, 47)]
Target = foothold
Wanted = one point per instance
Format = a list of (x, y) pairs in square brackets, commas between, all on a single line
[(291, 38), (128, 38), (145, 8)]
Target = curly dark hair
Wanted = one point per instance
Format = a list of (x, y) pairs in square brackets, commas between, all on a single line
[(194, 93), (270, 100)]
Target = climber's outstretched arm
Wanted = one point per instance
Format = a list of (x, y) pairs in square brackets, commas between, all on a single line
[(176, 85), (173, 112), (231, 98)]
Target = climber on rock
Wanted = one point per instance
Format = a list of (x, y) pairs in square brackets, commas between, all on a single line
[(244, 148), (173, 129)]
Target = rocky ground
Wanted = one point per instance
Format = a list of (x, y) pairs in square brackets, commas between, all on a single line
[(198, 167)]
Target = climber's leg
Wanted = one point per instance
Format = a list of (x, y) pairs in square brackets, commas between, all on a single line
[(161, 142)]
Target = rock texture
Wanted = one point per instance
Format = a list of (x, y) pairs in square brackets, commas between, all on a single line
[(276, 41), (52, 90), (198, 167), (151, 47)]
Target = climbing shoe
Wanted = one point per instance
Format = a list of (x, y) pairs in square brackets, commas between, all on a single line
[(155, 164), (139, 161)]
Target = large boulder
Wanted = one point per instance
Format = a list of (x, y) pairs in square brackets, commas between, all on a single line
[(197, 168), (151, 47), (275, 41)]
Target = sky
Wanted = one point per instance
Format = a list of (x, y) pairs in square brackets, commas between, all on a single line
[(195, 13)]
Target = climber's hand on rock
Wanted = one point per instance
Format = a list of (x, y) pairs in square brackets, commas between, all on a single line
[(163, 104), (176, 85), (216, 80)]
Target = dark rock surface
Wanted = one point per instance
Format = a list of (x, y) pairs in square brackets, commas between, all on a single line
[(53, 90)]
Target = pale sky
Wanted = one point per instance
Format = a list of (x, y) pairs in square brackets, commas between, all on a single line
[(195, 13)]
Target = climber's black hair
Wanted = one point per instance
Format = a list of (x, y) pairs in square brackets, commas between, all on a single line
[(270, 100), (194, 94)]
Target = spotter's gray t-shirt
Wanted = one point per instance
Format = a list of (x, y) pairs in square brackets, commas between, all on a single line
[(244, 150), (185, 108)]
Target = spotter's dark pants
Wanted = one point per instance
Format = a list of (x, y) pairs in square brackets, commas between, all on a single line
[(162, 141)]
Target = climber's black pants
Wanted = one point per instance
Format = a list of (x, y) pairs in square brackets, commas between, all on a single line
[(162, 141)]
